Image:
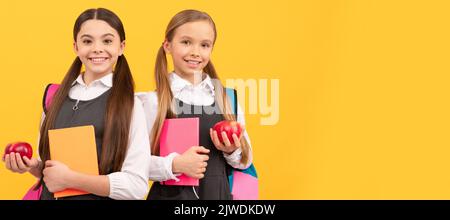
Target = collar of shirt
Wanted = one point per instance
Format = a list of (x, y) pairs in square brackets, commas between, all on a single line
[(177, 84), (200, 94), (105, 80), (81, 91)]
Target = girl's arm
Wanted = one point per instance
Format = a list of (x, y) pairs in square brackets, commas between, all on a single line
[(98, 185), (36, 171), (17, 164), (160, 167), (192, 162), (57, 177), (131, 182), (234, 159)]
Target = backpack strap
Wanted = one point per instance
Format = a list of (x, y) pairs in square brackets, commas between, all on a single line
[(232, 95), (50, 91)]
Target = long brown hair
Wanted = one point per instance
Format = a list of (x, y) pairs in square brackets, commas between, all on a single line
[(119, 106), (165, 96)]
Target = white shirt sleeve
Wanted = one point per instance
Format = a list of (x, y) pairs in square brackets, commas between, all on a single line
[(234, 159), (149, 102), (132, 181), (160, 168)]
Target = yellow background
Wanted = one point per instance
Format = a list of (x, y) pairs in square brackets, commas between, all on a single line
[(364, 86)]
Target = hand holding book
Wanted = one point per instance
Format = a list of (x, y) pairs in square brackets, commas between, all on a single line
[(193, 162)]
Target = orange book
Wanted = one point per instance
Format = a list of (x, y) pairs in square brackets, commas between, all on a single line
[(76, 148)]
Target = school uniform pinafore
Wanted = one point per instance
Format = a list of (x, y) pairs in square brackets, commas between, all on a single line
[(71, 114), (214, 186)]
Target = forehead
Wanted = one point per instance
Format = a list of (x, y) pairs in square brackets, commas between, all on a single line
[(96, 28), (199, 30)]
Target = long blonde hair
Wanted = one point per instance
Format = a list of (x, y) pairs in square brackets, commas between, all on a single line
[(165, 96)]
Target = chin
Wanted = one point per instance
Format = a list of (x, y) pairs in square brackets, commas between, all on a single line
[(99, 72), (193, 71)]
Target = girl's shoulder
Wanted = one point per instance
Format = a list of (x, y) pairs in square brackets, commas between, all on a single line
[(149, 98)]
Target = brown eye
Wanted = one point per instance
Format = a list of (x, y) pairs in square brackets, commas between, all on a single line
[(86, 41), (107, 41)]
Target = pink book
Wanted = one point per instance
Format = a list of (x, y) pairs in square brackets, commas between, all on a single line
[(178, 135)]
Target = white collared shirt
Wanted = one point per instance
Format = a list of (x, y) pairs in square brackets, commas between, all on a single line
[(132, 181), (97, 87), (200, 94)]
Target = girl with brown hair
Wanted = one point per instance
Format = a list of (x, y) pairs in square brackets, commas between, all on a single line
[(102, 96)]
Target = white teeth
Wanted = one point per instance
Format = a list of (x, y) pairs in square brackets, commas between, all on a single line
[(98, 60), (193, 62)]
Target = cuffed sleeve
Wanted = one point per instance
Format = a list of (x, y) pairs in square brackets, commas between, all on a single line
[(127, 186), (161, 168)]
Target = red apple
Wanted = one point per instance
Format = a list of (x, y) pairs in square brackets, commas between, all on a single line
[(23, 148), (230, 128), (6, 150)]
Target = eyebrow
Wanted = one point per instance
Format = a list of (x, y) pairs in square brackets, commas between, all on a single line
[(184, 36), (207, 41), (105, 35)]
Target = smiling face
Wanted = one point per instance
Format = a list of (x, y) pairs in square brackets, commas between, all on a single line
[(98, 46), (191, 47)]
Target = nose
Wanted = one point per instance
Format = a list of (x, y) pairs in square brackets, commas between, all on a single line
[(195, 52), (97, 48)]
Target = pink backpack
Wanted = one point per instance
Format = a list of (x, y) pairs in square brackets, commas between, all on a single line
[(50, 90)]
